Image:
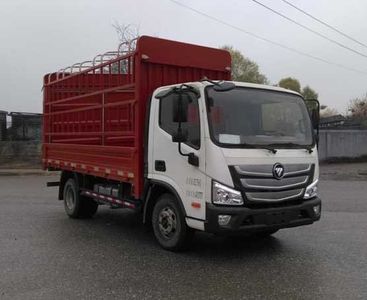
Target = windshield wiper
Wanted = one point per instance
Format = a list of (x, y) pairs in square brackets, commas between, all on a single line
[(308, 148), (267, 147), (271, 149)]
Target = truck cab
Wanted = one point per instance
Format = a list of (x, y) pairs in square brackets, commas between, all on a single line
[(239, 157)]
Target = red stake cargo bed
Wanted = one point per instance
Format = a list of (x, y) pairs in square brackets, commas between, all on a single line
[(94, 117)]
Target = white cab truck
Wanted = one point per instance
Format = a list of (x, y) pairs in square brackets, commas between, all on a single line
[(217, 156)]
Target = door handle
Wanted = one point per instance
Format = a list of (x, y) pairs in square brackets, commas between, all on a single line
[(160, 165)]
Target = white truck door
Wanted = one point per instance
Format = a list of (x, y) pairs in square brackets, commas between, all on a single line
[(169, 166)]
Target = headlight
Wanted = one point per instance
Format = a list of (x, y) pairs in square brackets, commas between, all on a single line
[(226, 196), (311, 190)]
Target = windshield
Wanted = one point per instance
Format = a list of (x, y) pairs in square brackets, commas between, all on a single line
[(254, 117)]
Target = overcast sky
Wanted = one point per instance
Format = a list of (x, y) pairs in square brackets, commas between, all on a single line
[(41, 36)]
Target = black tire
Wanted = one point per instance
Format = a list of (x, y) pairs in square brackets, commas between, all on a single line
[(89, 207), (77, 206), (265, 233), (169, 224)]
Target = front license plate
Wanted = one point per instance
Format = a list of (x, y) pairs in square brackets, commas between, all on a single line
[(278, 218)]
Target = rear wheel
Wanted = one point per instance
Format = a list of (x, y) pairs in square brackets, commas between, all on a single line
[(169, 224), (77, 206), (89, 207)]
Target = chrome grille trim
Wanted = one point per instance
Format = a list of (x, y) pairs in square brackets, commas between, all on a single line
[(267, 197), (298, 172), (266, 170), (253, 174), (274, 184)]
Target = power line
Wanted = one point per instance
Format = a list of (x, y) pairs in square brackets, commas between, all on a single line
[(309, 29), (267, 40), (324, 23)]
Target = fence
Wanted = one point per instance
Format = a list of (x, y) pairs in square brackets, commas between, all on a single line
[(342, 144), (26, 131), (20, 154), (17, 126), (22, 131)]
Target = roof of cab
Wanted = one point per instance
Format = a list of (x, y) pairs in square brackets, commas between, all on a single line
[(238, 83), (261, 86)]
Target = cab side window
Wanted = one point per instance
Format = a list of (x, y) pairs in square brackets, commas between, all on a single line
[(193, 121)]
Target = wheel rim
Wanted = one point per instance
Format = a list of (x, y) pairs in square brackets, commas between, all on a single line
[(70, 198), (167, 222)]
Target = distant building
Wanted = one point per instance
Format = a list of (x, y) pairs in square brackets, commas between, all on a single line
[(25, 126), (340, 122), (332, 121), (3, 115)]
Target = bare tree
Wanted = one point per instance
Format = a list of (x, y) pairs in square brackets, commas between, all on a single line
[(127, 35), (126, 32), (358, 107), (327, 112)]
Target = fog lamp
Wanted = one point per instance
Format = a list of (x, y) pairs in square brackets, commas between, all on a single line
[(224, 220), (317, 210)]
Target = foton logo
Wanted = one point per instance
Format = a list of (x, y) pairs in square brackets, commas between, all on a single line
[(278, 171)]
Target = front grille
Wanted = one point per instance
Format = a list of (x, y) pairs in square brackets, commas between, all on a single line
[(274, 184), (267, 170), (258, 184)]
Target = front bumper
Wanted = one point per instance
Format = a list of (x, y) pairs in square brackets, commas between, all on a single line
[(251, 220)]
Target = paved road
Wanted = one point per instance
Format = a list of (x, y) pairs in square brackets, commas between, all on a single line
[(45, 255)]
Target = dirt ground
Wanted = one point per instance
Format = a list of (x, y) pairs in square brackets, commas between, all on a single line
[(343, 171), (46, 255)]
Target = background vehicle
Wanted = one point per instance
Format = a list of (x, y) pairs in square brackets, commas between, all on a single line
[(143, 129)]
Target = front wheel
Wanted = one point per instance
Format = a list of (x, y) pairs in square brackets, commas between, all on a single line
[(169, 224)]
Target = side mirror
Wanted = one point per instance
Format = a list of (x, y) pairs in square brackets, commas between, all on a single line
[(180, 108), (315, 118), (313, 107)]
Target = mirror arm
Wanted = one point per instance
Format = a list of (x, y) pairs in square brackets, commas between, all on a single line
[(192, 158), (180, 150)]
